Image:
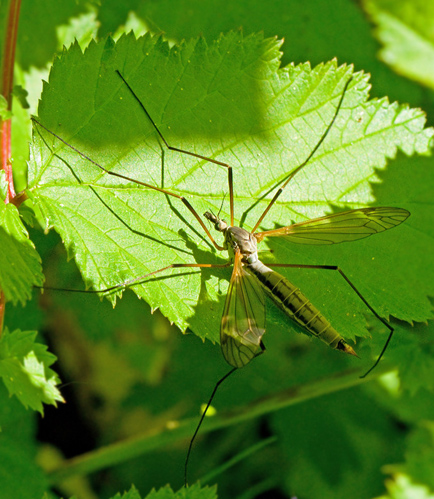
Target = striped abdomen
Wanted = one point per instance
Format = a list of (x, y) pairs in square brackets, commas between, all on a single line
[(293, 302)]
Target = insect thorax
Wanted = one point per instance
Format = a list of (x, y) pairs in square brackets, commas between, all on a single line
[(238, 238)]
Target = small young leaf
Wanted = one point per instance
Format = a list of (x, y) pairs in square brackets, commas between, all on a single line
[(25, 369), (20, 264)]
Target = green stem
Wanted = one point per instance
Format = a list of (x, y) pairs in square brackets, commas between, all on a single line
[(176, 430), (2, 310)]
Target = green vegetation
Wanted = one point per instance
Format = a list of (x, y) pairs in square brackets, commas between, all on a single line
[(298, 421)]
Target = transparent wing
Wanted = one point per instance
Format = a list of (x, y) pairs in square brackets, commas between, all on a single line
[(341, 227), (243, 321)]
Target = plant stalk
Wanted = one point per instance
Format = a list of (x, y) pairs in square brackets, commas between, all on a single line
[(7, 79), (174, 431), (11, 11)]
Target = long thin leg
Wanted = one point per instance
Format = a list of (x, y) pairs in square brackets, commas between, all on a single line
[(336, 268), (183, 151), (131, 282), (292, 174), (124, 177), (219, 382)]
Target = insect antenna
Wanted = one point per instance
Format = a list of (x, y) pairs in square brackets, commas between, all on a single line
[(221, 206), (219, 382)]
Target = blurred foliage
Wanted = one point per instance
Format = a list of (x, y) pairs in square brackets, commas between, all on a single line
[(130, 377), (406, 30)]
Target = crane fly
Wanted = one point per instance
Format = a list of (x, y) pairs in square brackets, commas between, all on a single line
[(243, 322)]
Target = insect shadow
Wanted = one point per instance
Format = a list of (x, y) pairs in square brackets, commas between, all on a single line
[(243, 321)]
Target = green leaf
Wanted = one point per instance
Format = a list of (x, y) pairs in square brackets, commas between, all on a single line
[(405, 29), (416, 370), (25, 369), (231, 102), (291, 21), (131, 494), (300, 24), (193, 492), (20, 264), (400, 486)]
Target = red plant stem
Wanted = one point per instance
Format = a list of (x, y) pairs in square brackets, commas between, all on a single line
[(7, 59), (6, 163), (7, 69)]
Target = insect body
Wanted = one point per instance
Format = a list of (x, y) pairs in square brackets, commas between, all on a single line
[(243, 322)]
